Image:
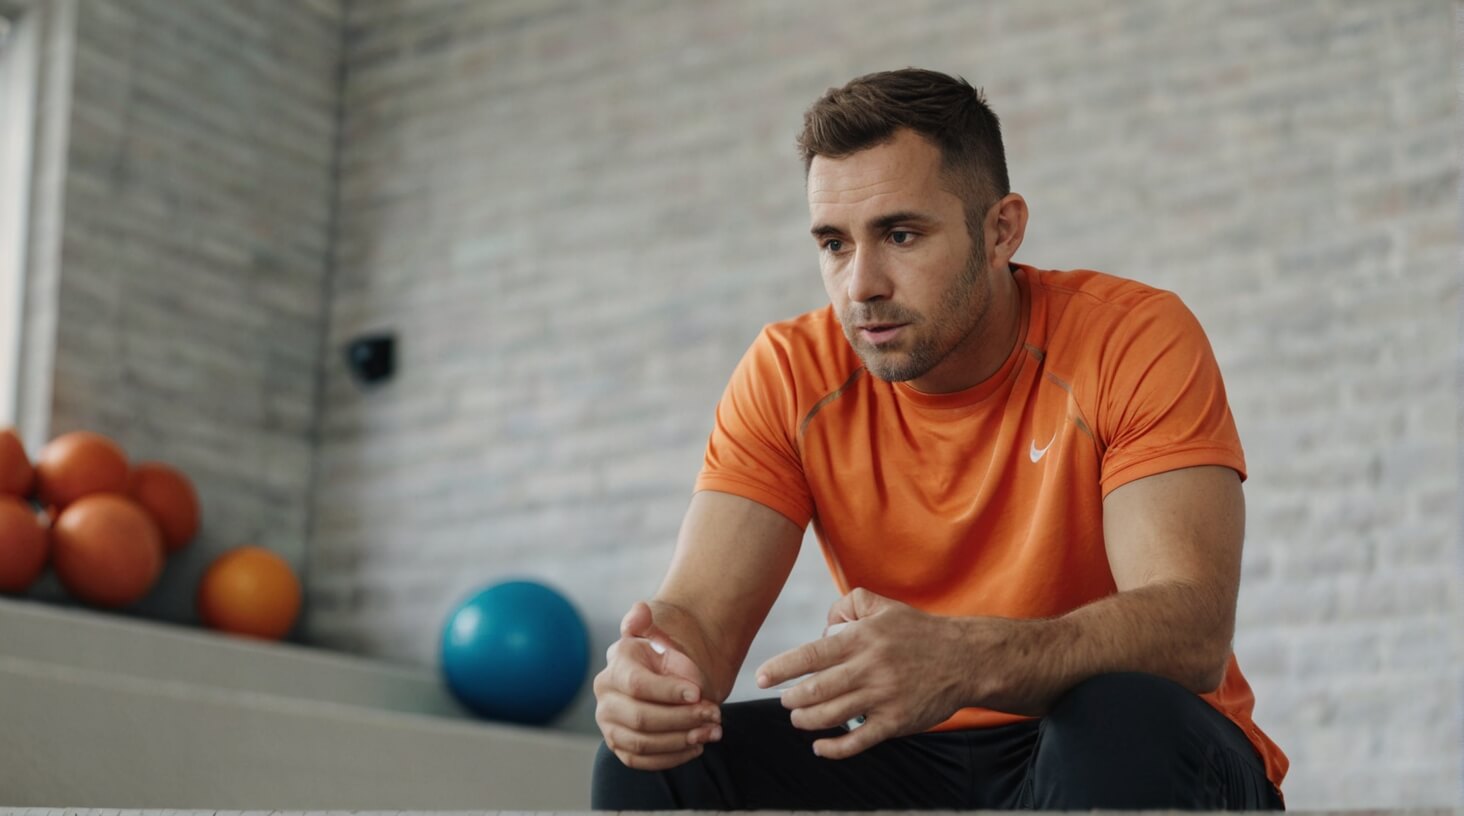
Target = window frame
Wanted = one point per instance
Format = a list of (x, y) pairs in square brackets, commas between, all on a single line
[(19, 85)]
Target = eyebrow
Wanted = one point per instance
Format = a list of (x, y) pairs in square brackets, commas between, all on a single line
[(879, 224)]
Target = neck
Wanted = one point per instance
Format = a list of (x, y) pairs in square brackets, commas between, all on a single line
[(983, 351)]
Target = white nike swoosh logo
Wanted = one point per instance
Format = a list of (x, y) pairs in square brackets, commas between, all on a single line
[(1036, 453)]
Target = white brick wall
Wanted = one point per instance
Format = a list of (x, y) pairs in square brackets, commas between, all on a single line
[(197, 212), (577, 215)]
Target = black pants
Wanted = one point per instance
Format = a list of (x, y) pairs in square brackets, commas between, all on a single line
[(1119, 741)]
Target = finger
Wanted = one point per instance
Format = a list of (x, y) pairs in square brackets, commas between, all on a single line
[(619, 738), (634, 678), (855, 742), (639, 625), (835, 628), (638, 621), (842, 611), (823, 687), (658, 762), (639, 650), (831, 713), (649, 718), (806, 659), (859, 604)]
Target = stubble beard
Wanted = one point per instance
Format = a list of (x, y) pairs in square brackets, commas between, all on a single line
[(962, 309)]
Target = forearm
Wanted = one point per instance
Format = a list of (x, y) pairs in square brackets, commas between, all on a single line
[(691, 636), (1177, 631), (732, 557)]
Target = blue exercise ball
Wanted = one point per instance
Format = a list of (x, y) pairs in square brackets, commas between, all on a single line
[(516, 651)]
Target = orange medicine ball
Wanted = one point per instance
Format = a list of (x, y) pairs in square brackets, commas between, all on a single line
[(107, 550), (250, 591), (167, 495), (23, 545), (17, 477), (79, 464)]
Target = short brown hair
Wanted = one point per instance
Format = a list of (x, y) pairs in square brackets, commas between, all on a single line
[(944, 109)]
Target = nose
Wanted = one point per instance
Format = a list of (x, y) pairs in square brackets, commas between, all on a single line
[(868, 279)]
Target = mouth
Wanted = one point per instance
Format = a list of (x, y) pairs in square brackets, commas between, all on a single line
[(879, 333)]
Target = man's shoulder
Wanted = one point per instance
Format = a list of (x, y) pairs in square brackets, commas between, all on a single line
[(1089, 290), (1083, 309), (1094, 319)]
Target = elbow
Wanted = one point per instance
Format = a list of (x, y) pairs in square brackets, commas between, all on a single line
[(1211, 655), (1208, 682), (1209, 672)]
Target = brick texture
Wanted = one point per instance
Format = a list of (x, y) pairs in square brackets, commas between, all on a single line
[(576, 216), (197, 212)]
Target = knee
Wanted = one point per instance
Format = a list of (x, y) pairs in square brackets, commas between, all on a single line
[(702, 783), (607, 764), (1123, 708), (1121, 697), (613, 786), (605, 777), (688, 786), (1127, 741)]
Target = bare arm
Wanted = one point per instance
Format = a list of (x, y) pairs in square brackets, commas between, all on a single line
[(732, 558), (677, 656), (1174, 544)]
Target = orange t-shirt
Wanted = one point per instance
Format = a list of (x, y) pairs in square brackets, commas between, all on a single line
[(987, 501)]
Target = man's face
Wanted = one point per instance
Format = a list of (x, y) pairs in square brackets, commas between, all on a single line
[(911, 288)]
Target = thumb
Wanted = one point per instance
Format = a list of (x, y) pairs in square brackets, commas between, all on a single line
[(638, 622), (858, 604), (843, 610), (668, 656)]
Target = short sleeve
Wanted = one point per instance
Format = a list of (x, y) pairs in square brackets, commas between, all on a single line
[(1162, 403), (753, 448)]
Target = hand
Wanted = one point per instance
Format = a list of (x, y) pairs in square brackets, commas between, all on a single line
[(649, 698), (902, 668)]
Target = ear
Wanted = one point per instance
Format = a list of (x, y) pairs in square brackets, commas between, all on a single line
[(1006, 225)]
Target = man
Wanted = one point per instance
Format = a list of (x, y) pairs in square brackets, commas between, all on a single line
[(1027, 484)]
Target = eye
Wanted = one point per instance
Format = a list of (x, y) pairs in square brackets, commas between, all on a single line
[(902, 237), (833, 245)]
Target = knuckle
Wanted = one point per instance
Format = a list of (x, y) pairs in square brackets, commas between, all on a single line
[(806, 719), (615, 677), (634, 743), (638, 719), (641, 686)]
